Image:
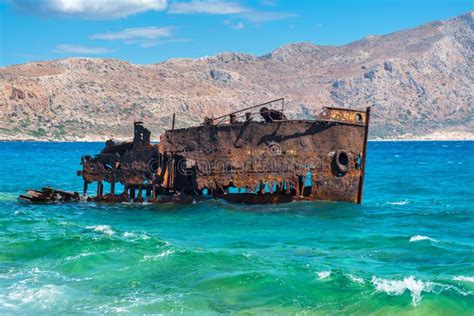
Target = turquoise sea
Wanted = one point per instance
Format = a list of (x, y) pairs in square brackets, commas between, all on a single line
[(408, 249)]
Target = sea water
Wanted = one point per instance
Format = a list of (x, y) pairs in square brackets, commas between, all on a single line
[(407, 249)]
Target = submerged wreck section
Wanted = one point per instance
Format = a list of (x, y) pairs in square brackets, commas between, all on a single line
[(48, 194), (255, 155)]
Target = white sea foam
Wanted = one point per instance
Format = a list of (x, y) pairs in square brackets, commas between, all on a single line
[(10, 197), (22, 294), (158, 256), (398, 287), (129, 234), (402, 202), (356, 279), (133, 235), (134, 299), (81, 255), (106, 229), (421, 237), (463, 278), (323, 274), (27, 289)]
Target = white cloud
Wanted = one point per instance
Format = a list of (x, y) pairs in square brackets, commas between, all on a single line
[(233, 9), (135, 34), (77, 49), (206, 7), (144, 36), (89, 9)]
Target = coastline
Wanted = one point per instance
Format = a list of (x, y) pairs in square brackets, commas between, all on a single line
[(403, 138), (436, 136)]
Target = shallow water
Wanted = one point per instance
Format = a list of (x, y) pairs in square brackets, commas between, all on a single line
[(407, 249)]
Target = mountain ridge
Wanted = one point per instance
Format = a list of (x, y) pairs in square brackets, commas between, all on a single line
[(418, 81)]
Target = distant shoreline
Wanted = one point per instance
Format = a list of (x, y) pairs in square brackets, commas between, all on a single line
[(436, 136), (448, 135)]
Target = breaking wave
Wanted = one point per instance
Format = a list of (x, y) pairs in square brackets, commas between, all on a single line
[(158, 256), (463, 278), (402, 202), (421, 237), (81, 255), (128, 234), (105, 229), (356, 279), (398, 287), (323, 274), (21, 294), (133, 235)]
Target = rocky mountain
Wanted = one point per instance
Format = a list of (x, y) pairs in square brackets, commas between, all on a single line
[(418, 82)]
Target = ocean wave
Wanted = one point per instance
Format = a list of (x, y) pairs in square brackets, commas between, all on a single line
[(323, 274), (106, 229), (398, 287), (81, 255), (136, 299), (35, 274), (8, 197), (22, 294), (133, 235), (401, 202), (356, 279), (158, 256), (421, 237), (463, 278)]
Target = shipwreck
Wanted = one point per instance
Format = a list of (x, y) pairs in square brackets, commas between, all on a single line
[(254, 155)]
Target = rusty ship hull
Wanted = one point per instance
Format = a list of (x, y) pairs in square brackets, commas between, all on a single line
[(271, 160)]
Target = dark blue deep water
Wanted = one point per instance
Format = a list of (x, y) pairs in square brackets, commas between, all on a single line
[(407, 249)]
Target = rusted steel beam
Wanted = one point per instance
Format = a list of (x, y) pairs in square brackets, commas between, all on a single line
[(364, 154), (112, 187), (250, 107), (85, 188)]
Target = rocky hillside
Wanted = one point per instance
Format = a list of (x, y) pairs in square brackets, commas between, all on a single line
[(418, 81)]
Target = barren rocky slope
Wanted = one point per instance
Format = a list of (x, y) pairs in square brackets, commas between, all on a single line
[(418, 81)]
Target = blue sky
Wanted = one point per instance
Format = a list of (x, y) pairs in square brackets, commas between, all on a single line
[(151, 31)]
